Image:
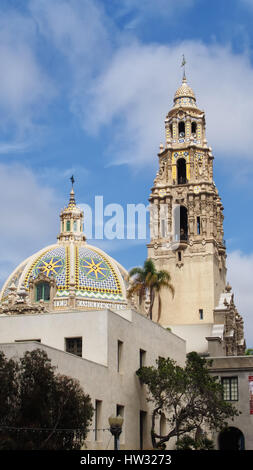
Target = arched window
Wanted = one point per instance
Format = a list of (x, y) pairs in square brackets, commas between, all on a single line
[(43, 291), (181, 223), (181, 129), (194, 128), (68, 226), (181, 171)]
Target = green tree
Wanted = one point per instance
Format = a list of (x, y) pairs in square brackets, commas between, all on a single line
[(149, 279), (249, 352), (189, 397), (51, 409)]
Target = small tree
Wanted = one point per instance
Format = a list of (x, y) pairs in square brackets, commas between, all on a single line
[(48, 410), (149, 279), (190, 397)]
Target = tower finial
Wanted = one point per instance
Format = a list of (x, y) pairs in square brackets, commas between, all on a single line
[(72, 179), (183, 65)]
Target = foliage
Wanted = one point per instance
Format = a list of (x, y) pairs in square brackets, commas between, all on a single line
[(249, 352), (188, 443), (33, 397), (189, 397), (151, 280)]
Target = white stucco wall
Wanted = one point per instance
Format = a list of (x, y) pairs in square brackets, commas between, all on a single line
[(194, 335)]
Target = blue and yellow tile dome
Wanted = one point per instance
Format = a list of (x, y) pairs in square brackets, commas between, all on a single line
[(77, 270), (82, 269)]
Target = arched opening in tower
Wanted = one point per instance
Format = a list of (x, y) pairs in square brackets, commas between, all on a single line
[(194, 128), (183, 223), (181, 171), (180, 221), (181, 129)]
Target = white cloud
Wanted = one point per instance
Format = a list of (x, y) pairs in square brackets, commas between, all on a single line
[(79, 30), (29, 216), (240, 276), (136, 12), (136, 91), (25, 88)]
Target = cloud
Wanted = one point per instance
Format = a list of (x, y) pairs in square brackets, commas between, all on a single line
[(79, 30), (137, 12), (240, 276), (29, 216), (25, 88), (136, 91)]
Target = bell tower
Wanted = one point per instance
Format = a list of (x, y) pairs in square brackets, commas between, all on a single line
[(187, 218)]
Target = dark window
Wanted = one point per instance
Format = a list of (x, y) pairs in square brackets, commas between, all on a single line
[(119, 356), (201, 314), (74, 346), (181, 171), (68, 226), (179, 256), (183, 223), (180, 222), (142, 358), (230, 388), (43, 291), (171, 130), (181, 129), (198, 226), (120, 410), (98, 409), (194, 127)]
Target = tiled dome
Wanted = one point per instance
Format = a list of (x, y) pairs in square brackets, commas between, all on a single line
[(184, 95), (75, 268), (92, 274)]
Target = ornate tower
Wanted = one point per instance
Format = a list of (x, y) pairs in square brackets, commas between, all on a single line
[(187, 218)]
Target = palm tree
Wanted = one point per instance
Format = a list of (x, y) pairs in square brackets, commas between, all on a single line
[(151, 280)]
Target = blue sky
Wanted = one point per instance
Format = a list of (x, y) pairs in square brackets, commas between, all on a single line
[(84, 88)]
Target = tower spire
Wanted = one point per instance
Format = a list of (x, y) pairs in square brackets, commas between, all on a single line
[(183, 65), (71, 220)]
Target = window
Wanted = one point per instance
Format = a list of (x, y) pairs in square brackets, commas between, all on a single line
[(179, 256), (75, 225), (230, 388), (74, 346), (143, 415), (181, 129), (181, 171), (194, 127), (98, 414), (201, 314), (68, 226), (119, 356), (142, 358), (42, 291), (198, 226)]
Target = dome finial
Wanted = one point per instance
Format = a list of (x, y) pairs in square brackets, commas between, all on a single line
[(72, 179), (183, 65)]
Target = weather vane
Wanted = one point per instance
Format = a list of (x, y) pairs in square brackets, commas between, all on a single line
[(72, 179), (183, 65)]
